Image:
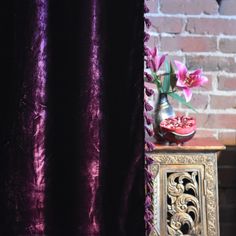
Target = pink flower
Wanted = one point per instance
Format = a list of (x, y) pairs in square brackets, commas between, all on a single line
[(154, 61), (186, 80)]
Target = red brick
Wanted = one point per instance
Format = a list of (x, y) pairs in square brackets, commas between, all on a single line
[(199, 101), (175, 57), (200, 119), (227, 83), (208, 85), (212, 63), (167, 24), (189, 7), (216, 121), (174, 103), (152, 6), (228, 138), (227, 45), (189, 44), (228, 7), (205, 133), (170, 58), (219, 102), (212, 26), (152, 42)]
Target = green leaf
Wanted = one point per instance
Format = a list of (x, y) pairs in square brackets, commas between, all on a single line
[(166, 81), (182, 100), (157, 81)]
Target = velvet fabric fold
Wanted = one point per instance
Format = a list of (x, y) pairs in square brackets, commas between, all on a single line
[(72, 150)]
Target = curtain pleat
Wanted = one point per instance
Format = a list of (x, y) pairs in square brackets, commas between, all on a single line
[(25, 168), (72, 150)]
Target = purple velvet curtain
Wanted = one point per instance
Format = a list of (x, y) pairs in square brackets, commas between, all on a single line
[(71, 131)]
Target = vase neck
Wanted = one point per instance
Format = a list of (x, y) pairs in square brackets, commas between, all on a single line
[(163, 98)]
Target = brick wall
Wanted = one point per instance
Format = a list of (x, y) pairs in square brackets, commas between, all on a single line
[(202, 34)]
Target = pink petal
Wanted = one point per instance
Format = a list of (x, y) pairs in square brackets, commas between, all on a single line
[(161, 60), (196, 72), (199, 81), (187, 93), (182, 70), (153, 65), (154, 52), (180, 83), (150, 64)]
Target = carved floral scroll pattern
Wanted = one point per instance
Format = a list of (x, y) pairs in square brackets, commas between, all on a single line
[(208, 160), (183, 210)]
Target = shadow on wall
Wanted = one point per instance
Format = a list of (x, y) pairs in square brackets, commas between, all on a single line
[(227, 190)]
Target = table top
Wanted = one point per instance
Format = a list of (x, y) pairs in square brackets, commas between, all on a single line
[(195, 144)]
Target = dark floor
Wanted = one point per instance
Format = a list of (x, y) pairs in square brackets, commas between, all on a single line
[(227, 191)]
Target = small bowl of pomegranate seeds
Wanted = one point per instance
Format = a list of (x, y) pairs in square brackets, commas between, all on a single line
[(178, 129)]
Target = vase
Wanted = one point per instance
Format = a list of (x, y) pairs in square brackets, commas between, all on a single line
[(163, 110)]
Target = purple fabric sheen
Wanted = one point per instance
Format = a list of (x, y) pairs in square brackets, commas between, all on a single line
[(92, 125), (39, 45), (65, 175), (29, 177)]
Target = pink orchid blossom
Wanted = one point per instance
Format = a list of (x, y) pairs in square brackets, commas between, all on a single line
[(154, 61), (186, 80)]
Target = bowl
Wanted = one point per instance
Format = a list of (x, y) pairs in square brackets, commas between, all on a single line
[(174, 137)]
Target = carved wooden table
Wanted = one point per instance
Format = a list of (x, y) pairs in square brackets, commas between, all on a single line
[(185, 188)]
